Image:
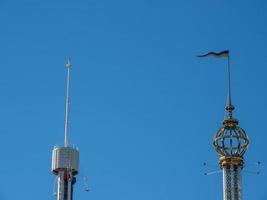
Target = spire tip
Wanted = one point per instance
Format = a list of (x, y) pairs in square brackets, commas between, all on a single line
[(68, 65)]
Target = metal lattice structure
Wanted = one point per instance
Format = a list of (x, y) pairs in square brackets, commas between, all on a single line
[(232, 183)]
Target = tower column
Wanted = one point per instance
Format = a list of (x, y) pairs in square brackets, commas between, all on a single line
[(232, 182), (65, 165), (65, 181)]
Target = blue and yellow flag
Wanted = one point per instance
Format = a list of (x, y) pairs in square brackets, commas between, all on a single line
[(217, 55)]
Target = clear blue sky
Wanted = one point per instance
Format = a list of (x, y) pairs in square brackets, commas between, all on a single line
[(144, 109)]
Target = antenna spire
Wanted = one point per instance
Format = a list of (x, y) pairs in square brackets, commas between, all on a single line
[(66, 139), (65, 160)]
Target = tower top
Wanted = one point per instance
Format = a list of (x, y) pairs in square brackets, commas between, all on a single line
[(68, 65), (66, 135), (230, 141)]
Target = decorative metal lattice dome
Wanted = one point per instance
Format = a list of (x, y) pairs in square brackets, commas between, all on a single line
[(230, 140)]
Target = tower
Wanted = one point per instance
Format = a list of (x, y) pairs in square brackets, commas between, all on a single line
[(231, 143), (65, 160)]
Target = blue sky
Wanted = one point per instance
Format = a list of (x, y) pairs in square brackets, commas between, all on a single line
[(144, 109)]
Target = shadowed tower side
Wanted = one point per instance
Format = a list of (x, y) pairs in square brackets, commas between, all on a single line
[(65, 160)]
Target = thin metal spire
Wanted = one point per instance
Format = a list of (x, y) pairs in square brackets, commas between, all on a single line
[(66, 139), (229, 81), (229, 107)]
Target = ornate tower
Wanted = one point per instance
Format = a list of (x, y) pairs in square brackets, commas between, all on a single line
[(231, 143), (65, 160)]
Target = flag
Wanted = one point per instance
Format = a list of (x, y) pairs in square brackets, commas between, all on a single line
[(217, 55)]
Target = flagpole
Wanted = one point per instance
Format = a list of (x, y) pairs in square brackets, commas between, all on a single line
[(229, 107), (229, 81)]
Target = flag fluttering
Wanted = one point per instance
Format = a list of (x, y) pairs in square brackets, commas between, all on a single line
[(223, 54), (216, 55)]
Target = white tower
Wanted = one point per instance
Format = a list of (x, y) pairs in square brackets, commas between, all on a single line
[(65, 160)]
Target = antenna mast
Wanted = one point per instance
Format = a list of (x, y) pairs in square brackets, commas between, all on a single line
[(65, 160), (66, 139)]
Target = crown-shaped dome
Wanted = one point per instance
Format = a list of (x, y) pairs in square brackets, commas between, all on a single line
[(230, 140)]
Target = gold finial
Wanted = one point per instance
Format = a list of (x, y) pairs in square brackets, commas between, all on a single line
[(230, 109)]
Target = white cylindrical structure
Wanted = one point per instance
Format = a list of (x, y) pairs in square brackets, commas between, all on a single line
[(65, 158), (232, 182), (65, 164)]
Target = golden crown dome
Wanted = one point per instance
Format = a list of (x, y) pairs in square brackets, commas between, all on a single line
[(230, 140)]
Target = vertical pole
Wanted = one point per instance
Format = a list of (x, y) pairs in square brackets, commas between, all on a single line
[(66, 142), (61, 186), (65, 184), (232, 182), (229, 81)]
